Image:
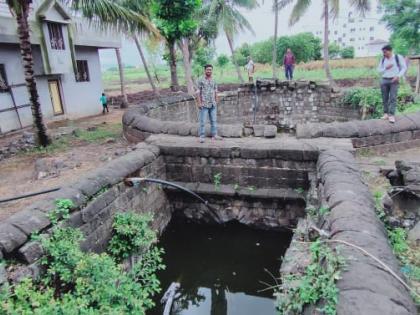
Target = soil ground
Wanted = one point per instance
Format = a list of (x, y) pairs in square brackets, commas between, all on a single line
[(78, 156)]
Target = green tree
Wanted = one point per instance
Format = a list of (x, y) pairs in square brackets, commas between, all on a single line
[(402, 17), (231, 21), (175, 19), (347, 52), (330, 9), (334, 50), (222, 62)]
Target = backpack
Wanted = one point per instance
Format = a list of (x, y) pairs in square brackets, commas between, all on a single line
[(397, 60)]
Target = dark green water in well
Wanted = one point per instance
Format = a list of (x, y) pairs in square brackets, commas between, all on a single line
[(220, 268)]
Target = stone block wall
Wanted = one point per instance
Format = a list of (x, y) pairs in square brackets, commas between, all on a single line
[(373, 133), (97, 197), (279, 103)]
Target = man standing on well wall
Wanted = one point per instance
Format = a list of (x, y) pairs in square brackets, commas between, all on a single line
[(391, 67), (207, 103), (289, 61)]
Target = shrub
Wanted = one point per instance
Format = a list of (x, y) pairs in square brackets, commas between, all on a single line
[(334, 50), (371, 99), (85, 283), (131, 235), (347, 52)]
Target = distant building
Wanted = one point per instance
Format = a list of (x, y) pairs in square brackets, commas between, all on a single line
[(351, 29), (374, 47), (66, 64)]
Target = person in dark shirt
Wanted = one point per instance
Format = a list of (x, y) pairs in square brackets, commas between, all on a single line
[(289, 64)]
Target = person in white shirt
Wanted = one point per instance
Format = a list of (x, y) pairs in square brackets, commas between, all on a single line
[(250, 67), (391, 67)]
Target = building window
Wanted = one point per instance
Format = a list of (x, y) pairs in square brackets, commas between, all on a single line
[(371, 28), (3, 80), (82, 74), (352, 30), (352, 39), (371, 38), (55, 31)]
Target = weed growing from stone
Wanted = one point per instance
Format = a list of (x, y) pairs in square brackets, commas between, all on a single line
[(317, 286), (236, 187), (251, 188), (86, 282), (300, 190), (408, 256), (217, 180)]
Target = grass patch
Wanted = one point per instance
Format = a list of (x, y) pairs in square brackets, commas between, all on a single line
[(99, 133)]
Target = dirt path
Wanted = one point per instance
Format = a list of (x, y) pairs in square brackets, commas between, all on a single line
[(75, 157)]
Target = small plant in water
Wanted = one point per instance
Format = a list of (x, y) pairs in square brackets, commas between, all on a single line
[(236, 187), (217, 180)]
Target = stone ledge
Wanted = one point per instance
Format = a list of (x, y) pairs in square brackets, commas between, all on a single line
[(366, 133), (365, 287), (17, 229), (229, 190)]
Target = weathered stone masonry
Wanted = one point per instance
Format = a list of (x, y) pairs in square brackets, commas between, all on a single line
[(280, 104), (365, 287)]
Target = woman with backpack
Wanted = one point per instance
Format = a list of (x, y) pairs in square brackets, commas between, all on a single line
[(391, 67)]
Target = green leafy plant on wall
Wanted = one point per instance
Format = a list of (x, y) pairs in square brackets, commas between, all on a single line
[(87, 282)]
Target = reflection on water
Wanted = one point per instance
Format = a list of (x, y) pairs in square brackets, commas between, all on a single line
[(220, 268)]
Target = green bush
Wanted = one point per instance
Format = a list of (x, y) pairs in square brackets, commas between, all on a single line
[(347, 52), (85, 283), (371, 99), (131, 235), (334, 50)]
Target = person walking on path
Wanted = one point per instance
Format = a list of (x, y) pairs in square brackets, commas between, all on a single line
[(391, 67), (289, 61), (250, 68), (207, 103), (104, 102)]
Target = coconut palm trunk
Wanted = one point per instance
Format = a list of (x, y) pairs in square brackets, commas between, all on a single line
[(276, 22), (326, 43), (230, 41), (124, 102), (172, 65), (146, 68), (27, 60), (187, 65)]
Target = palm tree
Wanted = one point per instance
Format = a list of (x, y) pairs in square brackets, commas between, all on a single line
[(21, 9), (143, 7), (229, 19), (124, 102), (330, 7), (276, 23), (106, 11)]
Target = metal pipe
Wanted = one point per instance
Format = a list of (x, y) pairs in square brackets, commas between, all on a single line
[(137, 180), (30, 195)]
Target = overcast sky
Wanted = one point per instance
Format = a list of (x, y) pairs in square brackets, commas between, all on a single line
[(262, 20)]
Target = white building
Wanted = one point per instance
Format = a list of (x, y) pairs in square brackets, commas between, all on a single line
[(66, 64), (351, 29)]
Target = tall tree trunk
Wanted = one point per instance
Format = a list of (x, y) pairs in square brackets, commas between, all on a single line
[(146, 68), (276, 22), (187, 65), (28, 63), (326, 43), (230, 41), (124, 102), (172, 65)]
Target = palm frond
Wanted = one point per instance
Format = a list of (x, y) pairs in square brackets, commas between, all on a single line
[(362, 6), (112, 14), (334, 8), (283, 3), (299, 10)]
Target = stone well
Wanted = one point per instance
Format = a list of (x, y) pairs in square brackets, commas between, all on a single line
[(258, 110)]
